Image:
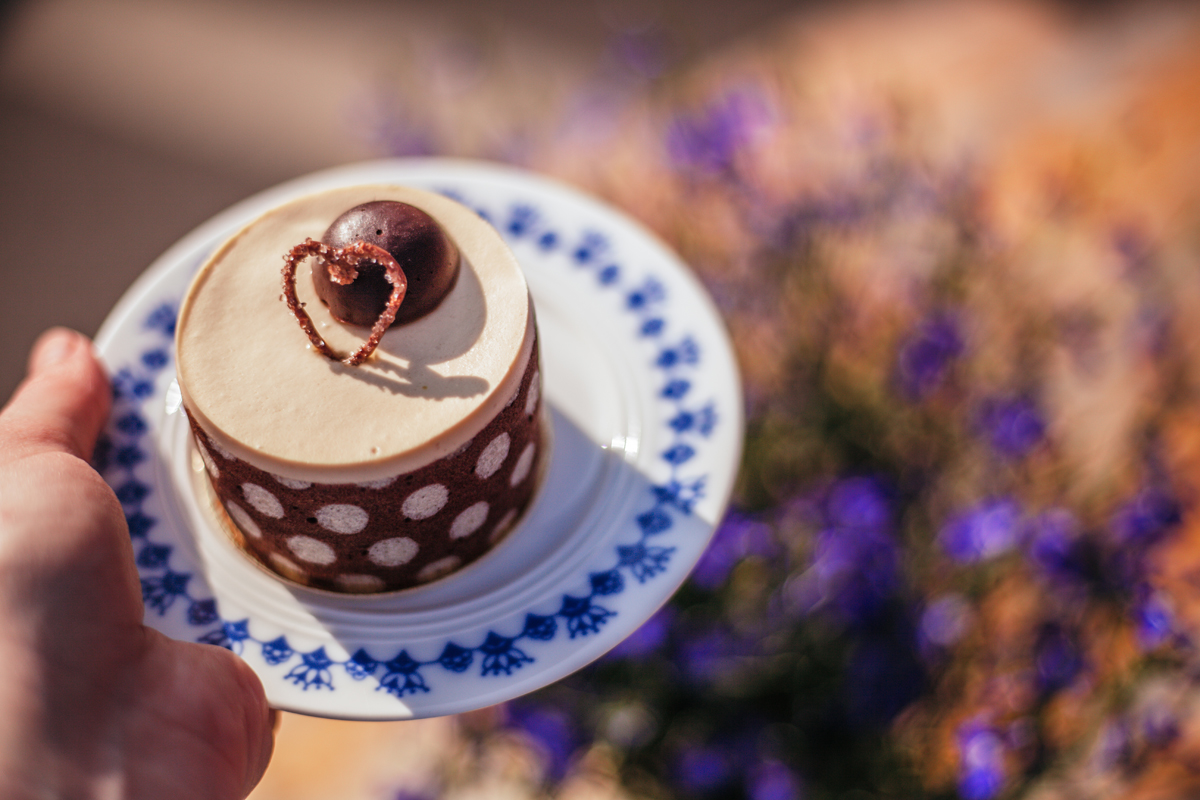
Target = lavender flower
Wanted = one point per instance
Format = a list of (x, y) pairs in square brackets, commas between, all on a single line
[(710, 140), (551, 730), (982, 751), (927, 354), (773, 781), (738, 537), (944, 621), (649, 638), (983, 532), (1013, 425), (1146, 518), (702, 769), (1056, 658)]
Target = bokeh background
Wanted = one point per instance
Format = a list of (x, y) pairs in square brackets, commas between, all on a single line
[(957, 246)]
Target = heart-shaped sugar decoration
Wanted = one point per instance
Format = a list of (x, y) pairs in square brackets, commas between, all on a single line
[(342, 265)]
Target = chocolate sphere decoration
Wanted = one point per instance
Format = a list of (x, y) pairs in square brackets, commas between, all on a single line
[(429, 259)]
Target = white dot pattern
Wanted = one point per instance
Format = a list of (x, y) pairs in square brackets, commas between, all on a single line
[(382, 483), (437, 569), (243, 519), (263, 501), (221, 451), (291, 483), (531, 400), (342, 518), (393, 552), (209, 464), (469, 521), (360, 584), (288, 568), (425, 502), (503, 526), (524, 463), (492, 456), (311, 550)]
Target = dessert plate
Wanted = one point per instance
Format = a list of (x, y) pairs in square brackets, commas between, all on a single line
[(645, 402)]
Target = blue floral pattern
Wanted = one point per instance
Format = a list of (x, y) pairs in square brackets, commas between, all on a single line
[(674, 357)]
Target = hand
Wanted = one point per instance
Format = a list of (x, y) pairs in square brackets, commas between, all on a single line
[(92, 702)]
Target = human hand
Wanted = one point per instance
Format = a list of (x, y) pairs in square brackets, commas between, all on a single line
[(93, 704)]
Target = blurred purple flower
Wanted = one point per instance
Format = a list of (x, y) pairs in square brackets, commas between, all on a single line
[(1052, 544), (551, 730), (738, 537), (926, 354), (1146, 518), (710, 140), (1057, 658), (883, 677), (702, 769), (983, 532), (1154, 620), (648, 638), (858, 503), (1158, 724), (944, 621), (773, 781), (1013, 425), (705, 655), (981, 751)]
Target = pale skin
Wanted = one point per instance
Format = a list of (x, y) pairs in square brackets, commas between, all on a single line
[(93, 704)]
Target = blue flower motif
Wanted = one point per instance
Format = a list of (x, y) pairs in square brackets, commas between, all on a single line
[(202, 612), (456, 658), (132, 492), (651, 291), (162, 318), (592, 246), (989, 529), (679, 454), (548, 241), (981, 760), (139, 524), (683, 496), (153, 556), (607, 583), (583, 616), (129, 457), (156, 359), (132, 424), (277, 651), (686, 352), (676, 389), (927, 355), (216, 637), (231, 635), (360, 665), (161, 591), (522, 219), (654, 521), (402, 675), (500, 655), (644, 562), (609, 275), (539, 627), (313, 671), (653, 326)]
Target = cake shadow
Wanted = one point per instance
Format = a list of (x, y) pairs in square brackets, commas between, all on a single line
[(415, 380)]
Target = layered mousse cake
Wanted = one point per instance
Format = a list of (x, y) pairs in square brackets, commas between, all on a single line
[(360, 371)]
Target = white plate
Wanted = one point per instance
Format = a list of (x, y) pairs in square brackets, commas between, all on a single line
[(647, 415)]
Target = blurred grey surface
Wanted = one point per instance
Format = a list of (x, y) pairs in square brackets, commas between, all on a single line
[(126, 123)]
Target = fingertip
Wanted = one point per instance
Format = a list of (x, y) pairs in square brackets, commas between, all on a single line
[(64, 400)]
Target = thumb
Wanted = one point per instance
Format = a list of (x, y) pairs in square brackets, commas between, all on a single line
[(62, 403)]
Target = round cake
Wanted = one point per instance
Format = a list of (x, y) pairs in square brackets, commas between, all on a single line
[(380, 476)]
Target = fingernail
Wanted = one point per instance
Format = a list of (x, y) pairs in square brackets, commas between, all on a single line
[(55, 347)]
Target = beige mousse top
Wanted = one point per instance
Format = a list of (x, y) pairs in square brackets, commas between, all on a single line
[(252, 380)]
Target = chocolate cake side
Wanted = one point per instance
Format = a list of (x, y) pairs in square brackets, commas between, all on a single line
[(397, 532)]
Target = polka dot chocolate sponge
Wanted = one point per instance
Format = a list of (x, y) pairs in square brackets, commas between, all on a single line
[(390, 472)]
